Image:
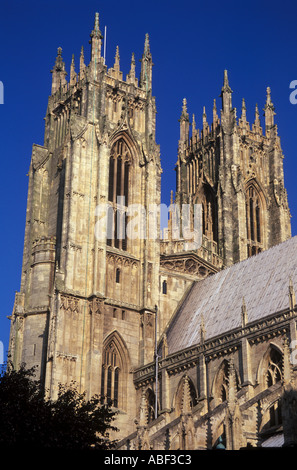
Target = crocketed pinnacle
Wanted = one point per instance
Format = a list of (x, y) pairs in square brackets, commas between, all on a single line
[(184, 115), (96, 33), (226, 86)]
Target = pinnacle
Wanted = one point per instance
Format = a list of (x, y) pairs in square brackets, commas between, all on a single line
[(268, 99), (59, 64), (226, 86), (96, 31), (184, 114)]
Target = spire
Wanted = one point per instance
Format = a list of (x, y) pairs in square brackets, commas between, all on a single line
[(195, 132), (184, 115), (184, 123), (243, 110), (147, 51), (226, 86), (202, 330), (243, 123), (58, 72), (215, 117), (287, 363), (115, 71), (257, 123), (117, 59), (193, 125), (82, 65), (231, 384), (146, 66), (292, 296), (186, 397), (233, 419), (204, 118), (205, 126), (96, 41), (59, 64), (244, 316), (131, 78), (269, 110), (72, 72), (226, 94)]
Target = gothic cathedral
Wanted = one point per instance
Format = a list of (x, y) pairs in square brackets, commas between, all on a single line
[(95, 303)]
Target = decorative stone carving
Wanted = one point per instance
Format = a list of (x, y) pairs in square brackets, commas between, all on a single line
[(96, 305), (187, 265), (70, 303)]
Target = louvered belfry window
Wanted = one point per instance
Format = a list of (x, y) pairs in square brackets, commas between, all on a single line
[(254, 221), (118, 193)]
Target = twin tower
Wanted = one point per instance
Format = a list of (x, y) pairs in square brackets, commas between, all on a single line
[(91, 303)]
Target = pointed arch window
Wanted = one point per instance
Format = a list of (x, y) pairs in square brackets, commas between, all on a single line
[(254, 221), (118, 194), (274, 374), (113, 374), (150, 399), (110, 377), (209, 214)]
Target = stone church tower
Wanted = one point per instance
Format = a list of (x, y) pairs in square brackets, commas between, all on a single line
[(236, 172), (85, 310), (98, 284)]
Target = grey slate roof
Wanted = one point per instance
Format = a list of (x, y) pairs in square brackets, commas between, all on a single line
[(262, 280)]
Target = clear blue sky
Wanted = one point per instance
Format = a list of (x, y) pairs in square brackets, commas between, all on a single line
[(192, 42)]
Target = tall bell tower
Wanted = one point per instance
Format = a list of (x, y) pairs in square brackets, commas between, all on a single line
[(90, 276), (235, 171)]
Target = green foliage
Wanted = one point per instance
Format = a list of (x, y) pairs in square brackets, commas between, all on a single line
[(69, 422)]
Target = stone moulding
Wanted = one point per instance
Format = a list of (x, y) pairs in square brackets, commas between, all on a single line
[(260, 330)]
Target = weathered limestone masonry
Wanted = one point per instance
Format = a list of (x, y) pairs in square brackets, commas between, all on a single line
[(226, 375), (91, 293), (85, 310), (236, 173)]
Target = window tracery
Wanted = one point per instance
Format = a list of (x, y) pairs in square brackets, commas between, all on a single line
[(254, 221), (113, 373), (118, 193), (274, 374)]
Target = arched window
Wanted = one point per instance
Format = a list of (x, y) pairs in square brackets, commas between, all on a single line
[(118, 275), (114, 372), (209, 214), (254, 221), (164, 287), (110, 376), (223, 385), (273, 373), (118, 192), (151, 404)]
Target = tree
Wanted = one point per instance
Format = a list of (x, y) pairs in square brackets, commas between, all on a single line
[(69, 422)]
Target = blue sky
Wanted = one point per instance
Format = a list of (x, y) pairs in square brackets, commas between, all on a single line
[(192, 42)]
